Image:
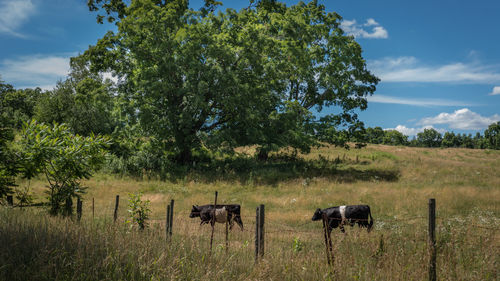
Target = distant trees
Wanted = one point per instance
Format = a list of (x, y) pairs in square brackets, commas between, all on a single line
[(375, 135), (17, 105), (14, 108), (429, 138), (492, 136), (84, 101), (8, 165), (393, 137), (432, 138)]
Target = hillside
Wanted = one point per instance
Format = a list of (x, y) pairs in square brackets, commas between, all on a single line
[(395, 181)]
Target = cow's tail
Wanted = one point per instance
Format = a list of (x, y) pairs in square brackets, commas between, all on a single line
[(370, 224)]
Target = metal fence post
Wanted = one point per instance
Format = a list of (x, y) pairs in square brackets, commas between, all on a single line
[(171, 218), (257, 223), (117, 202), (432, 239), (261, 229), (167, 222), (212, 222)]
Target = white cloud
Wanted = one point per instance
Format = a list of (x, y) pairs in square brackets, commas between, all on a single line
[(377, 31), (462, 119), (370, 22), (35, 70), (409, 69), (413, 131), (416, 102), (495, 91), (13, 13)]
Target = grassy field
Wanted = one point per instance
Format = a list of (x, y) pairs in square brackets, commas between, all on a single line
[(395, 181)]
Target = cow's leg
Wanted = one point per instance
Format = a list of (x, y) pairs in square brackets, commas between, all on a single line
[(230, 220), (333, 224), (342, 223), (238, 220), (361, 223)]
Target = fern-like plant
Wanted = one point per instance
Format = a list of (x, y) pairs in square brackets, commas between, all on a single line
[(138, 210)]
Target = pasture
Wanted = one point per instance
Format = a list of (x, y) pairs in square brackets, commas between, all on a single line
[(395, 181)]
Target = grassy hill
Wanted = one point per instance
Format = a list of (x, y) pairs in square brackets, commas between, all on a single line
[(395, 181)]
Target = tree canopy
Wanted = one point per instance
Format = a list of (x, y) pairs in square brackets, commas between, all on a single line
[(248, 77)]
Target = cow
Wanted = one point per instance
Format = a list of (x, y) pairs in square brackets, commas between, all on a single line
[(339, 216), (230, 211)]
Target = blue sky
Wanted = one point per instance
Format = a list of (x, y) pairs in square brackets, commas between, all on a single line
[(438, 61)]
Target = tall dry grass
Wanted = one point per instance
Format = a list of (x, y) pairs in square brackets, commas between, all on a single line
[(464, 182)]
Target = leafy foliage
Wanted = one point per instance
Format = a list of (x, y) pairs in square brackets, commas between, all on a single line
[(430, 138), (8, 165), (138, 210), (84, 102), (492, 135), (233, 78), (63, 158)]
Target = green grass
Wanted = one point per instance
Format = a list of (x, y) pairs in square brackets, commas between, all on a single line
[(395, 181)]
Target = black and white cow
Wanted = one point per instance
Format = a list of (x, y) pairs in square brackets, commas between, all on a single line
[(223, 212), (338, 216)]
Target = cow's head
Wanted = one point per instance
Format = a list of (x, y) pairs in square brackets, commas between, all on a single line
[(195, 212), (317, 215)]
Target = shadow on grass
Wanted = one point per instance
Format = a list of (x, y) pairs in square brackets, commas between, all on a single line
[(248, 170)]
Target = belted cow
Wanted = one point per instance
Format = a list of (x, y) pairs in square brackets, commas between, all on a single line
[(223, 212), (339, 216)]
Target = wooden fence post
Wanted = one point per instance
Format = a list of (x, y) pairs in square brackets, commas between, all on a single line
[(328, 240), (78, 209), (432, 239), (257, 223), (10, 200), (117, 202), (167, 222), (227, 232), (171, 218), (261, 230), (212, 222)]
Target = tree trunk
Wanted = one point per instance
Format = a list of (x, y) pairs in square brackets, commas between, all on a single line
[(68, 207), (185, 156), (263, 155)]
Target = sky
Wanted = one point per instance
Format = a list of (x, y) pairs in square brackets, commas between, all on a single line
[(438, 60)]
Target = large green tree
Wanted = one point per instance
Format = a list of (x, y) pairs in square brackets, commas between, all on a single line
[(492, 135), (84, 101), (429, 138), (393, 137), (8, 159), (252, 76), (17, 105)]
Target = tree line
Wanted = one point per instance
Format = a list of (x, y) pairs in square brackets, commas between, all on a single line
[(430, 137)]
